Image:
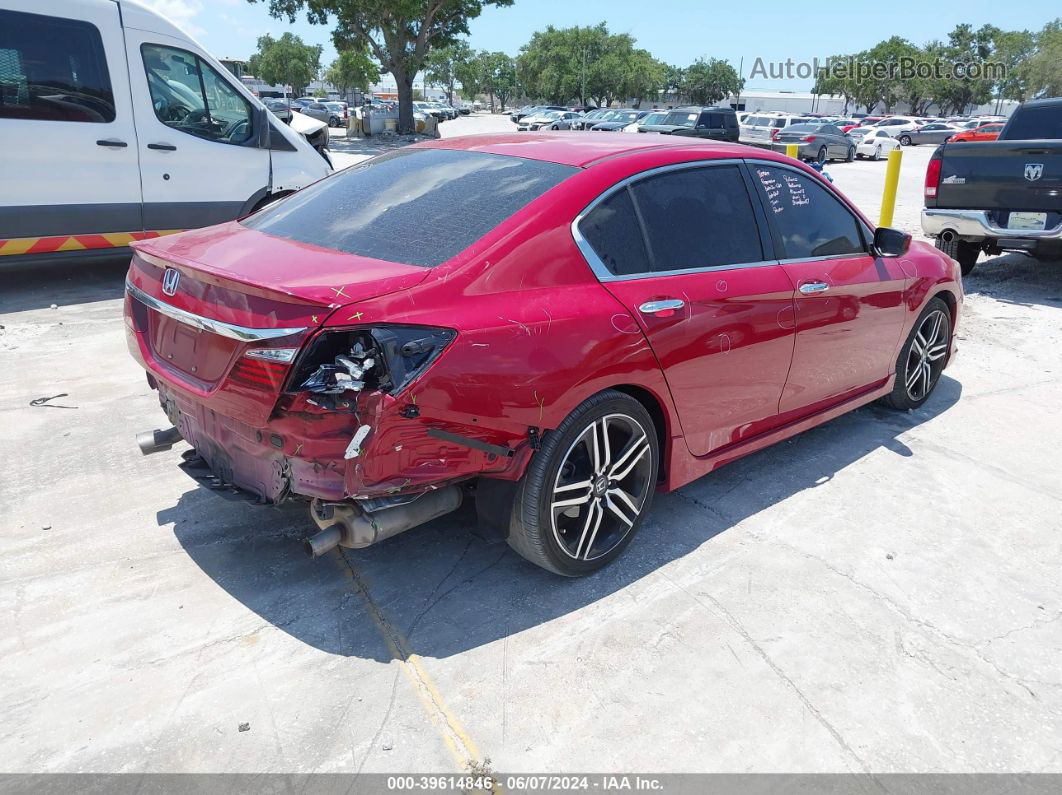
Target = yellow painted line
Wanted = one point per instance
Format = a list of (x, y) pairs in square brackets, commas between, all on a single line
[(462, 748)]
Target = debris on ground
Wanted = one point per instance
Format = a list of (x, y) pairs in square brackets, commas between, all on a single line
[(43, 402), (244, 727)]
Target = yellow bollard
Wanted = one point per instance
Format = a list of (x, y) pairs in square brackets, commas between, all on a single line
[(892, 179), (793, 151)]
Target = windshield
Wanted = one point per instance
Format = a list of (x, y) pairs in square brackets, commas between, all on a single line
[(415, 206), (681, 118)]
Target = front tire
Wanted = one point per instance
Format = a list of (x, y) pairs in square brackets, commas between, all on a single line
[(922, 358), (848, 158), (586, 490), (905, 140)]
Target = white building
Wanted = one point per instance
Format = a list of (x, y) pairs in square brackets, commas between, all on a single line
[(755, 99)]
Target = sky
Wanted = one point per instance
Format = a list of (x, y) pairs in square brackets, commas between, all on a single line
[(675, 31)]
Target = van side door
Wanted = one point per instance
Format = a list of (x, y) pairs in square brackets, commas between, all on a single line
[(70, 175), (199, 155)]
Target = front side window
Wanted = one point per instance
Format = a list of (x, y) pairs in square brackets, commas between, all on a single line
[(413, 206), (188, 95), (811, 221), (53, 69)]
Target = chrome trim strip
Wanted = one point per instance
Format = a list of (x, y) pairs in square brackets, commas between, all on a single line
[(241, 333)]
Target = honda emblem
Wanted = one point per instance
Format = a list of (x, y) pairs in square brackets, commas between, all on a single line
[(1033, 171), (170, 279)]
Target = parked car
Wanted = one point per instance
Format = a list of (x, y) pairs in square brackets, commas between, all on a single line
[(719, 124), (448, 112), (986, 132), (279, 108), (818, 142), (430, 109), (321, 112), (618, 119), (341, 110), (894, 125), (118, 126), (761, 128), (568, 120), (546, 119), (932, 133), (653, 117), (378, 379), (527, 110), (588, 120), (873, 142), (1002, 195)]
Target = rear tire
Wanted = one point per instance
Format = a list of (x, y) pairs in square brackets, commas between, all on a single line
[(963, 252), (581, 501), (877, 153), (822, 155), (922, 358)]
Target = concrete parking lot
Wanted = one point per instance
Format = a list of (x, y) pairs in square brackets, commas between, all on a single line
[(879, 594)]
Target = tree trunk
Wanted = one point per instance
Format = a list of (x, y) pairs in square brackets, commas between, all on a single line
[(404, 83), (490, 93)]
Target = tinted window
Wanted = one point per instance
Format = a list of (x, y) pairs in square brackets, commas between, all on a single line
[(612, 230), (811, 221), (419, 207), (1030, 123), (681, 118), (698, 218), (52, 70), (188, 95)]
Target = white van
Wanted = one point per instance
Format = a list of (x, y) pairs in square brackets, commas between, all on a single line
[(116, 126)]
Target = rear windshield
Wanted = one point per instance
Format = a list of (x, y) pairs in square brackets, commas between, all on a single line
[(414, 206), (1033, 123)]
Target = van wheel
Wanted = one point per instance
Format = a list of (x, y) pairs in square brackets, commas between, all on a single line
[(962, 251), (923, 358), (585, 492)]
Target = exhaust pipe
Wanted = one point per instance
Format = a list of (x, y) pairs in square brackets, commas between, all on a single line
[(357, 528), (324, 542), (156, 441), (947, 235)]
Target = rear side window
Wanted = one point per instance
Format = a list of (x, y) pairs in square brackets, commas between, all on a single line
[(1035, 122), (612, 230), (810, 220), (53, 69), (414, 206), (698, 218)]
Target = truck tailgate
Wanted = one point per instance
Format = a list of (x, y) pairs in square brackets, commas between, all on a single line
[(1000, 175)]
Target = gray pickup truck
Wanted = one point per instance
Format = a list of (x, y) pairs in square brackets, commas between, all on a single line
[(1003, 195)]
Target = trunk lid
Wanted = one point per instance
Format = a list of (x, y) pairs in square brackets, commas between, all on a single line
[(1001, 175), (239, 290)]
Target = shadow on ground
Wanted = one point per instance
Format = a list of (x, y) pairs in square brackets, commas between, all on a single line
[(449, 587), (36, 286), (1017, 279)]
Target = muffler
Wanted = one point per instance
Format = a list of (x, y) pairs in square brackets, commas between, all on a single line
[(348, 525), (947, 235), (156, 441)]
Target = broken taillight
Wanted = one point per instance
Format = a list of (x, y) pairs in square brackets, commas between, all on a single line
[(386, 358)]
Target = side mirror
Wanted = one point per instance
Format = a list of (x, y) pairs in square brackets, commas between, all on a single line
[(261, 127), (891, 242)]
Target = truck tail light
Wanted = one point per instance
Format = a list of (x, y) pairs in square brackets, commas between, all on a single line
[(933, 178)]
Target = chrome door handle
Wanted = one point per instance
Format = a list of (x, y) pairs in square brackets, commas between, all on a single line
[(652, 307), (810, 288)]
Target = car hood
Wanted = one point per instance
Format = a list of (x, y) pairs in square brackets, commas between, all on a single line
[(663, 128), (305, 125)]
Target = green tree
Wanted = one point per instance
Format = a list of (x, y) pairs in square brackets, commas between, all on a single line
[(445, 64), (353, 70), (287, 60), (1044, 69), (706, 82), (399, 33), (491, 73)]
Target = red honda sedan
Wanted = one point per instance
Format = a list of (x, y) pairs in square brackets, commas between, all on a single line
[(556, 327)]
